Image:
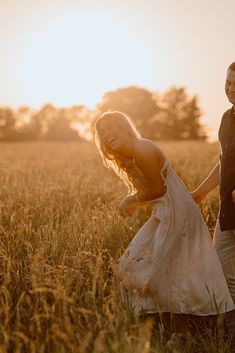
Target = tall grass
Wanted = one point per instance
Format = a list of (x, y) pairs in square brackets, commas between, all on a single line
[(60, 237)]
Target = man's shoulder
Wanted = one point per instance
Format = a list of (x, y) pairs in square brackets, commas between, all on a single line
[(226, 113), (225, 116), (225, 124)]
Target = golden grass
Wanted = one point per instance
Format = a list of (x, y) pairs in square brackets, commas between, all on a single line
[(60, 236)]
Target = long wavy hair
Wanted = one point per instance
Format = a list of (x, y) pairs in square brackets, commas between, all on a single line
[(123, 166)]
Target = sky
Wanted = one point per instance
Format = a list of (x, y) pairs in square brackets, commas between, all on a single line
[(70, 52)]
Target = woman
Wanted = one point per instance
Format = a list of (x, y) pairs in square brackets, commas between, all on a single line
[(171, 264)]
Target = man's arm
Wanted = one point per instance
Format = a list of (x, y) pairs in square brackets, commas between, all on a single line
[(207, 185), (233, 195)]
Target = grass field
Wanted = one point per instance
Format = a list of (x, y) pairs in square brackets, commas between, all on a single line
[(60, 236)]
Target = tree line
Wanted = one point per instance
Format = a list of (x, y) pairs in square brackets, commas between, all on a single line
[(171, 115)]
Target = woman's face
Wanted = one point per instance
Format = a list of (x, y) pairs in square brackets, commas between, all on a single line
[(111, 135)]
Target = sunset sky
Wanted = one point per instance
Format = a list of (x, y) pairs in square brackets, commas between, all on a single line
[(72, 51)]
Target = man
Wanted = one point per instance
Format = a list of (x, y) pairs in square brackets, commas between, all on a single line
[(223, 174)]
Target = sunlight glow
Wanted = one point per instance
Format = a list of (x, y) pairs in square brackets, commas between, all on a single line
[(77, 59)]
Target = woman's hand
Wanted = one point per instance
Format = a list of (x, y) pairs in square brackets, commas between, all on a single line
[(126, 208)]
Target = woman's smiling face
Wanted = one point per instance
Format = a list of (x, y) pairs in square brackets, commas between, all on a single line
[(111, 134)]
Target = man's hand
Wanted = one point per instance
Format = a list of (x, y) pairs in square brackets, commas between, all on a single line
[(233, 195)]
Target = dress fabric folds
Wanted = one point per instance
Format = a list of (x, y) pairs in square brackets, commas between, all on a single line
[(171, 264)]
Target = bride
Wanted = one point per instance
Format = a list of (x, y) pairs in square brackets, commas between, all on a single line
[(171, 264)]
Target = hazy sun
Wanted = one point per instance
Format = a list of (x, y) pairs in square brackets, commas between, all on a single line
[(77, 58)]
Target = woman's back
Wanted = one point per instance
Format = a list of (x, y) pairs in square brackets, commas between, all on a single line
[(150, 159)]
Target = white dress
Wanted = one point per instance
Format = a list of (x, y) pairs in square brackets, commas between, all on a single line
[(171, 264)]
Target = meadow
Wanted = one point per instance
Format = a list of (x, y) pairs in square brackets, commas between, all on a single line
[(60, 237)]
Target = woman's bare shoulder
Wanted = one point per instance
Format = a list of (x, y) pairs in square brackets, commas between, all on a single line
[(150, 149)]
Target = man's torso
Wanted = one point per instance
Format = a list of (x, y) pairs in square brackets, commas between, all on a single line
[(227, 173)]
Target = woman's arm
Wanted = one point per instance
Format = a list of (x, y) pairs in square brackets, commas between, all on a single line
[(149, 184)]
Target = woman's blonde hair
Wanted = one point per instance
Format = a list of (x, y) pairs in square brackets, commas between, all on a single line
[(124, 167)]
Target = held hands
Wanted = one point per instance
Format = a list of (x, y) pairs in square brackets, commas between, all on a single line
[(233, 195), (198, 197)]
